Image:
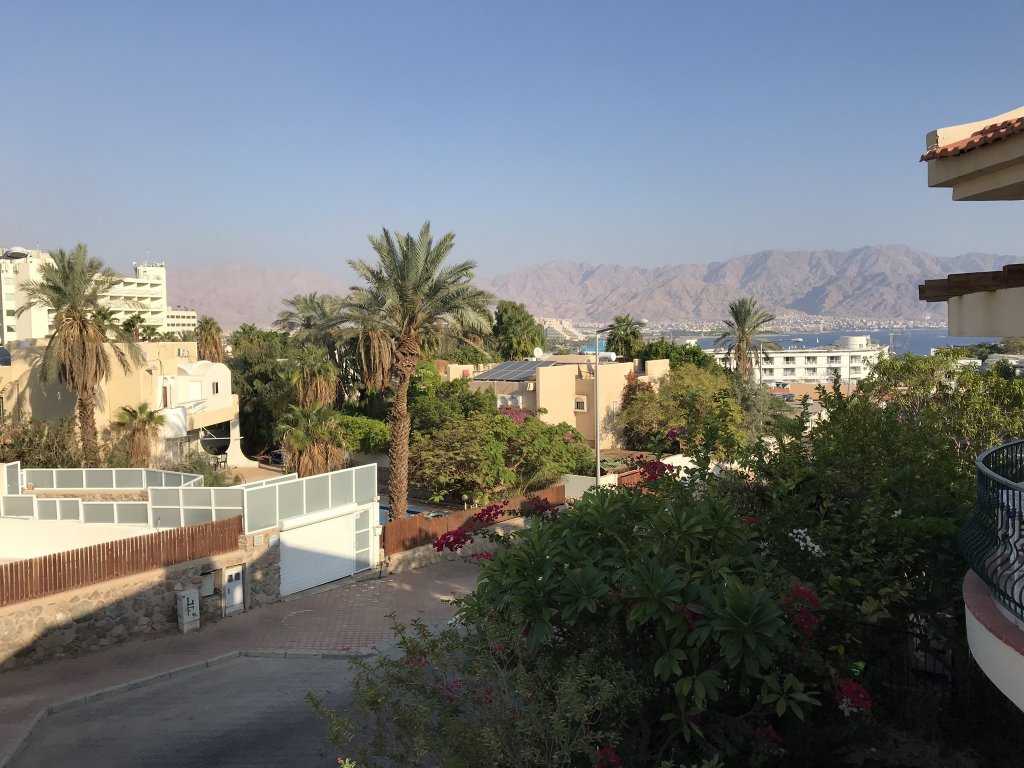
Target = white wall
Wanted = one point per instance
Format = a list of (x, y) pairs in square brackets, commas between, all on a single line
[(23, 539)]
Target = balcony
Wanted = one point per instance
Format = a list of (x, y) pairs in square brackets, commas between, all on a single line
[(992, 541)]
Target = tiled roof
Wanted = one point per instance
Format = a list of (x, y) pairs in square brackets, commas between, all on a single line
[(986, 135)]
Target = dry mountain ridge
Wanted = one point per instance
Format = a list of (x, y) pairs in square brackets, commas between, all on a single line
[(876, 282)]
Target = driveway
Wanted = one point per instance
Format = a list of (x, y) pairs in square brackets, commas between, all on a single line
[(247, 712)]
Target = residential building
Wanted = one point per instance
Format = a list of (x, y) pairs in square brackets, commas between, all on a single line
[(561, 388), (984, 160), (144, 294), (851, 357), (194, 396)]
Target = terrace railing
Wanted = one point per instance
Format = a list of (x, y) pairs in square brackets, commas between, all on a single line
[(992, 541)]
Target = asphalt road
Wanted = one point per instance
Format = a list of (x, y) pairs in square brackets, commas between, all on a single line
[(247, 712)]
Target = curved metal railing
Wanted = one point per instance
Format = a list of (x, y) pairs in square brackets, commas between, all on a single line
[(992, 541)]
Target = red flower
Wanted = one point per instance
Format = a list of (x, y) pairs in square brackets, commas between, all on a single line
[(852, 696), (806, 621), (749, 520)]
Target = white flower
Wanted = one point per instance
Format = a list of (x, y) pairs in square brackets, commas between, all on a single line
[(805, 542), (897, 513)]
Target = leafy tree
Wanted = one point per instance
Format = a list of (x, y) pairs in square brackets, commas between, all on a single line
[(747, 320), (369, 435), (314, 377), (409, 294), (256, 363), (700, 402), (676, 354), (39, 443), (140, 426), (81, 352), (199, 462), (209, 340), (1012, 345), (452, 400), (426, 380), (313, 439), (625, 338), (466, 457), (515, 333)]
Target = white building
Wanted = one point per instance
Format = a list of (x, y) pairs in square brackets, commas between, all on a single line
[(145, 294), (851, 356)]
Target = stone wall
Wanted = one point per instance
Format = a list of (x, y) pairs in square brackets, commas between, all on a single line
[(99, 615)]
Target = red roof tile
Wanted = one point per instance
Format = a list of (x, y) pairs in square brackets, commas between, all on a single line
[(986, 135)]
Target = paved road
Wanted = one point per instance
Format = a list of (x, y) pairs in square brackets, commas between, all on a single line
[(244, 713), (341, 620)]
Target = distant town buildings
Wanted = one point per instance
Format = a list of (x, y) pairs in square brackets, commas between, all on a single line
[(144, 294)]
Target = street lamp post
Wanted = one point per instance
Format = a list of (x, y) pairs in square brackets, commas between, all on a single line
[(597, 399)]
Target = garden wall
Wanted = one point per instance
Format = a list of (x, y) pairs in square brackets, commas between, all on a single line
[(143, 604)]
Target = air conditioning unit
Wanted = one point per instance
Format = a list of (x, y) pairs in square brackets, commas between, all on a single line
[(182, 352)]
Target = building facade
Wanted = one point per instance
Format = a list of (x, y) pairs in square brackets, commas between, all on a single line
[(562, 388), (193, 395), (144, 294), (852, 357)]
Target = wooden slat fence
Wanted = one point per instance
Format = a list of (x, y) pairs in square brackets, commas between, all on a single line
[(631, 477), (50, 574), (416, 530)]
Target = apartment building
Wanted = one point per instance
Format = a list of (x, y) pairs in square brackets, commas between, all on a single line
[(561, 388), (194, 396), (144, 294), (851, 357)]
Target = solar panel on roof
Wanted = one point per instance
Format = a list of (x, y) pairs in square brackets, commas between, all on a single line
[(516, 370)]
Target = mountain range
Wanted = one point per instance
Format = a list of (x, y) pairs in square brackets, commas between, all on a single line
[(874, 282)]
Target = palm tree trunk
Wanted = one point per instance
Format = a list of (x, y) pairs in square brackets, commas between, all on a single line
[(398, 483), (87, 428)]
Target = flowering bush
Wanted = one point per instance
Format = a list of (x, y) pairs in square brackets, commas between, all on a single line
[(851, 696), (455, 540)]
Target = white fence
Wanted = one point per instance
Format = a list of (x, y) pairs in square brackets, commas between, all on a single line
[(179, 502)]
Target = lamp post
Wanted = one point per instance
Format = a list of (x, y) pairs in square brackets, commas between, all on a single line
[(597, 398)]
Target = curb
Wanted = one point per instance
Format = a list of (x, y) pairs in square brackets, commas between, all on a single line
[(142, 682)]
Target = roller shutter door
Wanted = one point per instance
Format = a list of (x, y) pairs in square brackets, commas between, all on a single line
[(317, 553)]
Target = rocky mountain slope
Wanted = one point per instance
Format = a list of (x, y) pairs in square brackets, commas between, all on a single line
[(874, 282)]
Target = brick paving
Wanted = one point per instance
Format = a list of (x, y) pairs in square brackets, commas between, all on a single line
[(344, 619)]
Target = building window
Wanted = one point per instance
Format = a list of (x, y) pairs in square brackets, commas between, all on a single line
[(855, 369), (769, 371), (855, 358), (580, 404), (810, 360), (789, 360), (789, 371), (768, 360), (834, 360), (216, 387), (811, 371), (833, 371)]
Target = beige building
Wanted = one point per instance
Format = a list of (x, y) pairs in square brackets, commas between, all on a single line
[(145, 294), (984, 160), (560, 388), (193, 395)]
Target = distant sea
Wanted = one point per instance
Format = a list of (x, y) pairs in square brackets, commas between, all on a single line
[(920, 341)]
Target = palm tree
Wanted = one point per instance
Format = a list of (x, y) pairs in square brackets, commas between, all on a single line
[(410, 293), (313, 440), (133, 325), (746, 321), (314, 377), (78, 353), (625, 338), (311, 318), (209, 340), (140, 425), (149, 333)]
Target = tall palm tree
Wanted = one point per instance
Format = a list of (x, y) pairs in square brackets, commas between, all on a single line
[(747, 320), (133, 325), (311, 318), (140, 425), (625, 338), (78, 354), (209, 340), (410, 293), (313, 439), (314, 377)]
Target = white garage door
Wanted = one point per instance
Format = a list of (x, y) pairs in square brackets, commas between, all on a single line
[(318, 552)]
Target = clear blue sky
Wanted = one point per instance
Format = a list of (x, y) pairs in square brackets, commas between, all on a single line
[(646, 133)]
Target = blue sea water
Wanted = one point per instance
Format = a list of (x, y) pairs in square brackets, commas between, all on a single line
[(920, 341)]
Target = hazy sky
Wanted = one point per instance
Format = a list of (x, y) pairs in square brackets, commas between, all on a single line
[(646, 133)]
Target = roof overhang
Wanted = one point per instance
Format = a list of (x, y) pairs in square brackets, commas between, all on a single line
[(983, 160)]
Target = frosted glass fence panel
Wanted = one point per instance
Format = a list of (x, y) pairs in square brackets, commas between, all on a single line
[(318, 493), (290, 499), (127, 478), (12, 477), (70, 509), (366, 483), (100, 478), (196, 515), (261, 508), (342, 489), (98, 512), (47, 509), (18, 506), (105, 478), (132, 512)]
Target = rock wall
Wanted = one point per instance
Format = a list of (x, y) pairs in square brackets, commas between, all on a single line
[(89, 618)]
